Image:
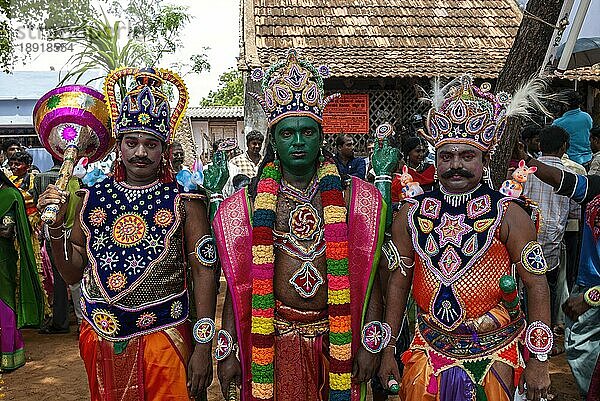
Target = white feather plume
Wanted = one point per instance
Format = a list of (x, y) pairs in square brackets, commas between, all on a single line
[(439, 92), (529, 97)]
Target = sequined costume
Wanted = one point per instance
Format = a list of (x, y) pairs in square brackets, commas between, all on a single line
[(466, 344), (459, 260), (135, 339)]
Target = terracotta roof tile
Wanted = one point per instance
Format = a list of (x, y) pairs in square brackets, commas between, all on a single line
[(583, 74), (383, 38), (215, 112)]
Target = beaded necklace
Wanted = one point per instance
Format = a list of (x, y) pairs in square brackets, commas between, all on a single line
[(299, 195), (457, 200), (263, 266)]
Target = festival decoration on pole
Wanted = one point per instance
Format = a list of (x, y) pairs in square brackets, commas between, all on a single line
[(72, 122)]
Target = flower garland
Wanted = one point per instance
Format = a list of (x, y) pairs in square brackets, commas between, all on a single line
[(263, 266)]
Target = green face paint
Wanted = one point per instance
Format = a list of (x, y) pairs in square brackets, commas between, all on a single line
[(297, 141)]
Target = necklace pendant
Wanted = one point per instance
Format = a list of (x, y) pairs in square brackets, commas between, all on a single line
[(304, 222), (306, 280)]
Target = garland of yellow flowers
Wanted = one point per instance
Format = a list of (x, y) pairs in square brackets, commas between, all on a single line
[(263, 266)]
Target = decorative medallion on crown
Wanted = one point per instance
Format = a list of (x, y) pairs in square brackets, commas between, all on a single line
[(292, 87), (465, 113), (146, 108)]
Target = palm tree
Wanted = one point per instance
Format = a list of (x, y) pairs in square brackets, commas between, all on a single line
[(99, 47)]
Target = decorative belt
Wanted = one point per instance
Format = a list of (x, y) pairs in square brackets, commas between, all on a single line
[(115, 323), (474, 354), (311, 329), (466, 346)]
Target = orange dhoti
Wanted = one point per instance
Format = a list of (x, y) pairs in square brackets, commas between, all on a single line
[(152, 367)]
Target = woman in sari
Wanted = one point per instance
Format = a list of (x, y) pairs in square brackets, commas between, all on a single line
[(414, 150), (17, 268)]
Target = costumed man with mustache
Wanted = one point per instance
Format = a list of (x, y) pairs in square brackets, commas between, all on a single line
[(134, 236), (459, 246), (299, 253)]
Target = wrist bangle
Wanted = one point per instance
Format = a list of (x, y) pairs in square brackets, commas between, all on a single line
[(204, 330), (375, 336), (61, 227), (539, 339), (592, 296), (225, 345)]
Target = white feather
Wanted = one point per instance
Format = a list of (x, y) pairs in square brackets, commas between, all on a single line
[(529, 97), (439, 92)]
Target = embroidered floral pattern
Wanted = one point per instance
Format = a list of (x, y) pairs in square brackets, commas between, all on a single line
[(129, 229), (116, 281), (105, 322), (452, 229), (431, 207), (176, 309), (163, 218), (146, 320), (304, 222), (144, 118), (97, 217), (306, 280), (479, 206)]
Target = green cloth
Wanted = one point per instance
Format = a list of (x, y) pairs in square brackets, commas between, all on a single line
[(72, 188), (8, 269), (29, 305)]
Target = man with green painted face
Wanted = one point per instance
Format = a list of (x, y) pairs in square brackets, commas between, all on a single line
[(299, 253)]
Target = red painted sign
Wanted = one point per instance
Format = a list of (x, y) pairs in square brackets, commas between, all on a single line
[(348, 114)]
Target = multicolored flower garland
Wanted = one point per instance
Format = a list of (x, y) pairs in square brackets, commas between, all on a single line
[(263, 266)]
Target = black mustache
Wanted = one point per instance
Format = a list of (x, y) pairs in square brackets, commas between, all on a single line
[(457, 171), (141, 160)]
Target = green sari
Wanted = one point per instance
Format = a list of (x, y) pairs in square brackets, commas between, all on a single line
[(27, 303)]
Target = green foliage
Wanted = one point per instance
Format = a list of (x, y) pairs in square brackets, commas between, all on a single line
[(154, 30), (99, 48), (230, 92), (157, 27), (54, 19)]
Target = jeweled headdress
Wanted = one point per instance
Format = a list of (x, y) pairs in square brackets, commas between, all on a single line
[(292, 87), (465, 113), (146, 108)]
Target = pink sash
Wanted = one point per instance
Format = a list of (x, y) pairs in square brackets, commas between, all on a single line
[(233, 232)]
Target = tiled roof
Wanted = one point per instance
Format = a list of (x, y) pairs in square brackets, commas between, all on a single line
[(583, 74), (216, 112), (382, 38)]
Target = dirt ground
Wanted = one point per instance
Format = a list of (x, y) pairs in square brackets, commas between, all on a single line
[(54, 372)]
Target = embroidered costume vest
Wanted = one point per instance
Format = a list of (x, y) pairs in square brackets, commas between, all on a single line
[(134, 283), (459, 260), (459, 257)]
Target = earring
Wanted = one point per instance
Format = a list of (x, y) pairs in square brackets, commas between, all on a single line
[(487, 178), (118, 169), (321, 157), (165, 173), (275, 159)]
